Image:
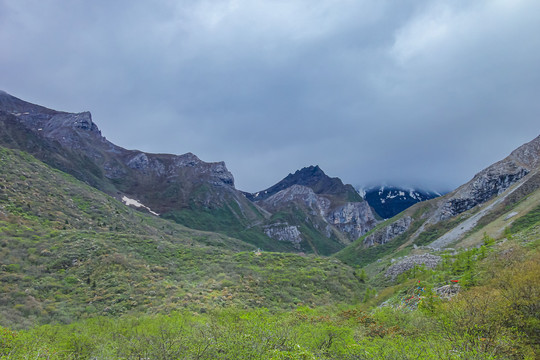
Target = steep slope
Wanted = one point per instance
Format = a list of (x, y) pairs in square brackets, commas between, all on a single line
[(183, 188), (310, 209), (451, 219), (68, 251), (388, 201), (180, 187)]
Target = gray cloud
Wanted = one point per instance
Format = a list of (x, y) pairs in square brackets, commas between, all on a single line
[(413, 92)]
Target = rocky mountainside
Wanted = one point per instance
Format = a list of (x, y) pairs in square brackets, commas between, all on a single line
[(388, 201), (311, 202), (504, 191), (179, 187), (187, 190)]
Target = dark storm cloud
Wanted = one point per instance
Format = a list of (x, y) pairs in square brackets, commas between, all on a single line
[(412, 92)]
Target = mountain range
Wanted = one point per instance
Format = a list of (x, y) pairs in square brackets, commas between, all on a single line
[(305, 212), (110, 240), (491, 201)]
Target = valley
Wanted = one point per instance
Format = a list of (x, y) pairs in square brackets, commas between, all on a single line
[(114, 253)]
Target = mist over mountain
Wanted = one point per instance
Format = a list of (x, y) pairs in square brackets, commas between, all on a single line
[(496, 194), (388, 201)]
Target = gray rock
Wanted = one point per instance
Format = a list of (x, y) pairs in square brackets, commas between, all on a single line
[(284, 232), (428, 260), (389, 232)]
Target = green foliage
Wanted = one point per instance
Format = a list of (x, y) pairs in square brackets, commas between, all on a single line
[(224, 220), (60, 261), (99, 281), (526, 221)]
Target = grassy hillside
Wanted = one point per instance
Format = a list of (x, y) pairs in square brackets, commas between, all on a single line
[(68, 251), (84, 277), (494, 316)]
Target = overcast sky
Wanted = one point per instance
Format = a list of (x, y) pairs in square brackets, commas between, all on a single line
[(403, 92)]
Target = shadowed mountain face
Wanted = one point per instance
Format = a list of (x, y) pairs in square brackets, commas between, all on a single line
[(458, 218), (390, 201), (184, 188)]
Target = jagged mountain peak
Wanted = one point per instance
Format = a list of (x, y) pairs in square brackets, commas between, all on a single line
[(316, 179)]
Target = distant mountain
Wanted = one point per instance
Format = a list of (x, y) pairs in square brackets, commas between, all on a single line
[(388, 201), (490, 202), (187, 190), (311, 208)]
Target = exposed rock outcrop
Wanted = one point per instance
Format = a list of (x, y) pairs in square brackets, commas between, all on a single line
[(389, 232), (484, 186), (428, 260), (447, 291), (297, 194), (284, 232), (354, 219), (490, 182)]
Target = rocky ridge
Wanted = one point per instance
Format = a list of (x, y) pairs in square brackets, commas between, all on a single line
[(386, 234), (444, 221), (490, 182), (183, 188)]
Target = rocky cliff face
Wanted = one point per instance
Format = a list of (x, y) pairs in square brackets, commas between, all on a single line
[(284, 232), (491, 181), (322, 203), (389, 232), (353, 219)]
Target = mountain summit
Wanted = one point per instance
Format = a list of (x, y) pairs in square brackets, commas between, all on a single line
[(179, 187), (314, 178)]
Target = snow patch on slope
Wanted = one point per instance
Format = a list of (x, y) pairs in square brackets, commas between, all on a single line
[(135, 203)]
